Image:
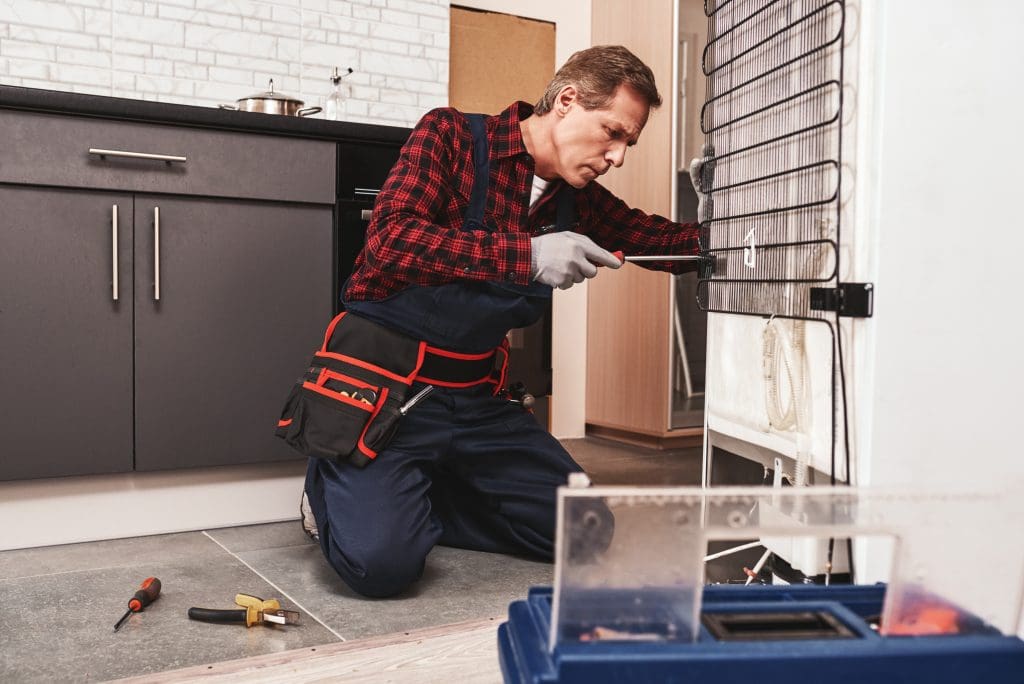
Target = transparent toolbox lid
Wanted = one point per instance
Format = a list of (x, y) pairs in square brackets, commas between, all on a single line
[(630, 560)]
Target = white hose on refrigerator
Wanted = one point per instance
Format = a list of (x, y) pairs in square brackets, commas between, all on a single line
[(785, 357)]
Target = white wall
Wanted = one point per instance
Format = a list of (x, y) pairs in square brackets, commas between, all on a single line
[(206, 52), (940, 395), (945, 394)]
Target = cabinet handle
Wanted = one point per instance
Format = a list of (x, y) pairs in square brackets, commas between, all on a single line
[(113, 235), (366, 192), (366, 214), (156, 254), (137, 155)]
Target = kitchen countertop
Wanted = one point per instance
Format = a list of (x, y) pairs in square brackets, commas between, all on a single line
[(55, 101)]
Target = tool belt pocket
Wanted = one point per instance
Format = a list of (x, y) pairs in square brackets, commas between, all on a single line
[(345, 407)]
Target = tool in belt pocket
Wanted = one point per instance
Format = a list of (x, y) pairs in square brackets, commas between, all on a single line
[(347, 404)]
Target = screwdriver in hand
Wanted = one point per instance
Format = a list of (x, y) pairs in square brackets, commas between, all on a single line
[(661, 257), (146, 594)]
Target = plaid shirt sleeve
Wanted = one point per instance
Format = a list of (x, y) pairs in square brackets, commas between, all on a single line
[(611, 223), (416, 235)]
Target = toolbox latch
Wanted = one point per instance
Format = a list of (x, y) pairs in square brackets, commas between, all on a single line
[(849, 299)]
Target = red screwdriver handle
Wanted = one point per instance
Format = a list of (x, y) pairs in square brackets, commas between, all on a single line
[(618, 255), (144, 596)]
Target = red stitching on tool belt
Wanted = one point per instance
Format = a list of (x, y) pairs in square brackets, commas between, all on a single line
[(361, 445), (503, 374), (446, 368), (330, 329), (330, 394), (368, 366), (456, 385), (459, 355), (326, 375)]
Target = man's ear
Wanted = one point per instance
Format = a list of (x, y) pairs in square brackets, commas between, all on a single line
[(566, 97)]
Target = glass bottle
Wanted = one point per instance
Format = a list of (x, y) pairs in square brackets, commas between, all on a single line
[(334, 105)]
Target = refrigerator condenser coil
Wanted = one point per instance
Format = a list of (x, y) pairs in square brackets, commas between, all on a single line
[(773, 119)]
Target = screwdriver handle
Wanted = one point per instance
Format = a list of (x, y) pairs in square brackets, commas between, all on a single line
[(148, 593)]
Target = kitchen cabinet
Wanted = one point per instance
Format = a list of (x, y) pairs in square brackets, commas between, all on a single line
[(223, 288), (244, 295), (65, 341)]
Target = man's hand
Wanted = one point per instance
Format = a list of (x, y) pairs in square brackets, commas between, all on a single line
[(702, 175), (563, 259)]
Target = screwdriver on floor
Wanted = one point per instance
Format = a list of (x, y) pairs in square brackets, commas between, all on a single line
[(146, 594)]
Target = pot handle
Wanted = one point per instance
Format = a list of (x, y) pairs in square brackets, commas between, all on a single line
[(227, 106), (309, 110)]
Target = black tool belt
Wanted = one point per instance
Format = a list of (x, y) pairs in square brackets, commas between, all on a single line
[(348, 403), (446, 368)]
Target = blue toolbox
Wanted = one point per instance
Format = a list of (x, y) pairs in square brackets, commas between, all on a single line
[(762, 634), (630, 604)]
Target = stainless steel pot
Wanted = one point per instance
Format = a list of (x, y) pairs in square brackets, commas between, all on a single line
[(272, 103)]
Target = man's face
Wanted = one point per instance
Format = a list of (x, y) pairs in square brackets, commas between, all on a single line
[(588, 143)]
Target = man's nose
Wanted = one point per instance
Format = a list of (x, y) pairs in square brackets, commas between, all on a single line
[(616, 154)]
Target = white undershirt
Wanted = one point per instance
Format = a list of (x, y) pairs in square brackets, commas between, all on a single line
[(539, 186)]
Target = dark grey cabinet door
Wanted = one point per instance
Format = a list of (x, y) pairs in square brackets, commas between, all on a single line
[(244, 298), (65, 343)]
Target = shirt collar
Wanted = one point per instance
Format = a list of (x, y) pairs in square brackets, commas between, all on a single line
[(508, 138)]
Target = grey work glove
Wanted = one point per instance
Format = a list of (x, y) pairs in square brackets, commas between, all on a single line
[(702, 176), (565, 258)]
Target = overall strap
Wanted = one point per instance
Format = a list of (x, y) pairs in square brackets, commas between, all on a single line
[(565, 217), (565, 209), (474, 217)]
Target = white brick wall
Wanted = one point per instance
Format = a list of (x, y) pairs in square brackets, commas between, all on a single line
[(207, 52)]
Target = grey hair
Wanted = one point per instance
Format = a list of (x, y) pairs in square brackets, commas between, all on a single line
[(597, 73)]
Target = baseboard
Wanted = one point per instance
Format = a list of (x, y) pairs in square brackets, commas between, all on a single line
[(81, 509), (673, 439)]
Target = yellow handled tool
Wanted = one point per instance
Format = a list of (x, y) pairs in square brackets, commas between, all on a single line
[(254, 611)]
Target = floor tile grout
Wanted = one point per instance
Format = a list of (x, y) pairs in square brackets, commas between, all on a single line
[(275, 586), (460, 585), (56, 574)]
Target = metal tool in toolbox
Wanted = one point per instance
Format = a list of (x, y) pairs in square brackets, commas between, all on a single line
[(254, 611), (629, 601)]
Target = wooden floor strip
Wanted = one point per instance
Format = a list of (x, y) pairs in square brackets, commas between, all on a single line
[(465, 652)]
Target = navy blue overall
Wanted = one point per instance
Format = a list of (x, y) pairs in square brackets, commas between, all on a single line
[(465, 468)]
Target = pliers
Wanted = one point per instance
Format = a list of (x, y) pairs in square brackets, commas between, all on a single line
[(254, 611)]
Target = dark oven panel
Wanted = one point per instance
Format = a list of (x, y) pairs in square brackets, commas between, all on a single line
[(362, 169)]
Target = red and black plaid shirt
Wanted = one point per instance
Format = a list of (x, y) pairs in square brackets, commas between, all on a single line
[(415, 236)]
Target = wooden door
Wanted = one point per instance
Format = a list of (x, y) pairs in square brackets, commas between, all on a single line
[(629, 311), (496, 59)]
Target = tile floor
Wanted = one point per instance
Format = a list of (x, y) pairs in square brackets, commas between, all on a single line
[(60, 603)]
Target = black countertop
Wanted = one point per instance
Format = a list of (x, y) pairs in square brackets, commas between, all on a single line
[(55, 101)]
